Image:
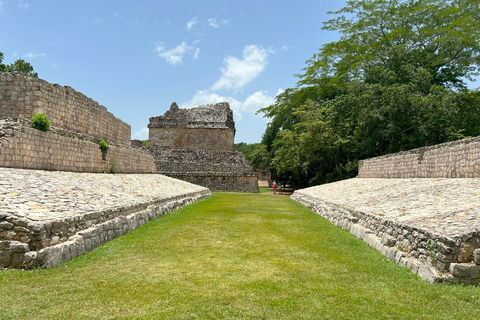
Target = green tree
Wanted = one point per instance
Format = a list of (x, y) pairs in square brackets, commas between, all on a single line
[(394, 81), (19, 65)]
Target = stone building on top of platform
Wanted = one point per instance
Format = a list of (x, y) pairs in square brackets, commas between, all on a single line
[(196, 145)]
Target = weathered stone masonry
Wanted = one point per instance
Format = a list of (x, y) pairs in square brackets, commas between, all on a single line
[(52, 217), (49, 217), (433, 229), (196, 145), (457, 159), (66, 108), (78, 123)]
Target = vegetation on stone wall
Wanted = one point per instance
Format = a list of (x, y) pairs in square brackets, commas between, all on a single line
[(395, 80), (19, 65), (40, 122)]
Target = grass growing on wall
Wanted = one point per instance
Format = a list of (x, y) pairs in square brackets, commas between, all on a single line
[(233, 256)]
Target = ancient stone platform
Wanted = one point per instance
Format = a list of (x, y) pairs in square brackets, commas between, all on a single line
[(431, 226), (196, 145), (49, 217)]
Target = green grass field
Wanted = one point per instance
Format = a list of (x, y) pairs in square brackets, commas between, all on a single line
[(233, 256)]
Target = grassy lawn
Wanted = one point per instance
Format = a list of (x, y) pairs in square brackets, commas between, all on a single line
[(233, 256)]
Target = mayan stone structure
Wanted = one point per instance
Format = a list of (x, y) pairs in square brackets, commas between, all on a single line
[(420, 208), (196, 145), (456, 159), (78, 123), (66, 203)]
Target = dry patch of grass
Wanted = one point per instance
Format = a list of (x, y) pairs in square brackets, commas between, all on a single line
[(233, 256)]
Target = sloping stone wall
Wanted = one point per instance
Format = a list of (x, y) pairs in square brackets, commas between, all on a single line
[(430, 226), (49, 217), (457, 159), (21, 97), (29, 148)]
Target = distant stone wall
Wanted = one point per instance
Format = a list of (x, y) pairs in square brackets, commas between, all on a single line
[(193, 138), (21, 97), (221, 181), (214, 169), (196, 145), (457, 159), (28, 148)]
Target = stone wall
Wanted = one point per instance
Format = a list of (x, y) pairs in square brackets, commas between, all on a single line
[(434, 257), (457, 159), (21, 97), (196, 145), (214, 169), (47, 249), (25, 147), (221, 181), (209, 127), (192, 138)]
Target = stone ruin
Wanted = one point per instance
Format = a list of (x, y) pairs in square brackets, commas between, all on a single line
[(196, 145), (71, 144), (63, 205), (420, 208)]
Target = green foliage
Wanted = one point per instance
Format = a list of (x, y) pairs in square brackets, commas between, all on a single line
[(255, 154), (103, 145), (19, 65), (394, 81), (39, 121), (145, 142)]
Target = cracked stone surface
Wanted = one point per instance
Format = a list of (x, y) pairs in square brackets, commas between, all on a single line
[(38, 195), (448, 207)]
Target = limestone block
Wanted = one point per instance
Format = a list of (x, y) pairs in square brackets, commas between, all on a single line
[(388, 240), (5, 258), (476, 256), (461, 270), (466, 252)]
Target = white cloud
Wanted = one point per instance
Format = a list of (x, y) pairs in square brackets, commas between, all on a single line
[(118, 15), (97, 21), (34, 55), (238, 73), (191, 23), (284, 47), (15, 54), (174, 56), (1, 7), (204, 97), (24, 5), (251, 105), (140, 135), (225, 21), (213, 22), (256, 101)]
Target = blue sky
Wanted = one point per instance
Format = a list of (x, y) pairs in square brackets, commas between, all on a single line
[(137, 57)]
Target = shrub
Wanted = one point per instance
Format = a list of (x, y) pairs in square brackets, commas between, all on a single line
[(103, 145), (40, 122)]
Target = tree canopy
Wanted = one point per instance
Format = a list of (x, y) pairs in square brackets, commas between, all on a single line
[(395, 80), (19, 65)]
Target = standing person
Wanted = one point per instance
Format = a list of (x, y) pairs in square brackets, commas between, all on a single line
[(274, 186)]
